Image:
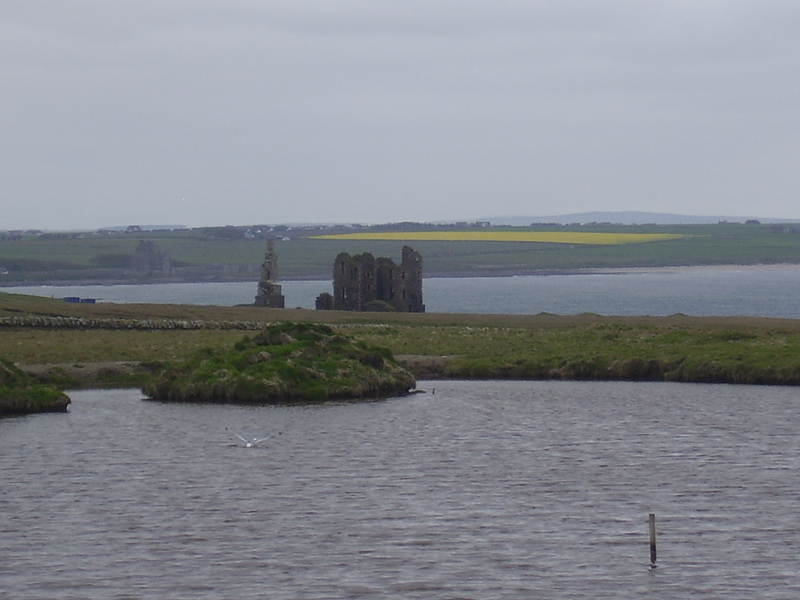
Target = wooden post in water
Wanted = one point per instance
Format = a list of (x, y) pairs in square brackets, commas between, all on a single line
[(652, 520)]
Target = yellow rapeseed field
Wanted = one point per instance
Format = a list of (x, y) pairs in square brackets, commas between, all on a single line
[(548, 237)]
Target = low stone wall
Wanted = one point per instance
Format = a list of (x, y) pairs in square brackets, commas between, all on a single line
[(40, 321)]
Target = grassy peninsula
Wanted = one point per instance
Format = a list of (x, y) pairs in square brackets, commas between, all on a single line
[(22, 394), (125, 344)]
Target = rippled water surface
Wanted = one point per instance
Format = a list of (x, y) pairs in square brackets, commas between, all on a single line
[(479, 490)]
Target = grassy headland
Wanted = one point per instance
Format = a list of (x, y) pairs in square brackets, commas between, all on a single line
[(70, 337)]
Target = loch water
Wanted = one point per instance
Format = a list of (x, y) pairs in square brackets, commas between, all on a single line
[(767, 291), (483, 490)]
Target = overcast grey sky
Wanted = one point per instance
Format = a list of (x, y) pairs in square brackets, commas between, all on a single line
[(210, 112)]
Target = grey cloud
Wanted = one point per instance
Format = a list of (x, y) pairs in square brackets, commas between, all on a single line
[(375, 111)]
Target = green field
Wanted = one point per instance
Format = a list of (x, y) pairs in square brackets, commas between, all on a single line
[(525, 236), (301, 255)]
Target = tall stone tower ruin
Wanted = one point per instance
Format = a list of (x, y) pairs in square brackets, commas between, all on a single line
[(269, 292)]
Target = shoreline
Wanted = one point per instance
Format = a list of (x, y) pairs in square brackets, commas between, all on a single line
[(499, 274), (134, 375)]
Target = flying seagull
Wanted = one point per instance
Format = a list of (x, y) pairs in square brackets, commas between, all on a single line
[(249, 443)]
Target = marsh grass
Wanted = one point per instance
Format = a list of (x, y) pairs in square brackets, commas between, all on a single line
[(57, 346), (698, 352), (284, 363), (22, 394), (675, 348)]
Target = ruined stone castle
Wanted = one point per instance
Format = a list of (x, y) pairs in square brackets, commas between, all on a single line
[(365, 283), (269, 293), (147, 259)]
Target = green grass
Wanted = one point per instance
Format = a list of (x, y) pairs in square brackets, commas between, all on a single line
[(285, 362), (677, 348), (518, 235), (22, 394), (660, 349)]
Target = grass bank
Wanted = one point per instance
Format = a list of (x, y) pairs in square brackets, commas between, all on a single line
[(583, 347), (21, 394)]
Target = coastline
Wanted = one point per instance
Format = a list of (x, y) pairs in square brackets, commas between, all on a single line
[(477, 274)]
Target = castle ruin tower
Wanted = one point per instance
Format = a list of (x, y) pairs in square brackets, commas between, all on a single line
[(269, 292), (410, 282), (365, 283)]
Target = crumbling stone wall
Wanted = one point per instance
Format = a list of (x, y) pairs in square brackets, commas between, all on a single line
[(363, 283), (147, 258), (269, 293)]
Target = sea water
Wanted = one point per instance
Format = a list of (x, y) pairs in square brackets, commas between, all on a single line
[(730, 291)]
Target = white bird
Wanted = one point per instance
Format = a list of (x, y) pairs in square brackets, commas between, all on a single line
[(249, 443)]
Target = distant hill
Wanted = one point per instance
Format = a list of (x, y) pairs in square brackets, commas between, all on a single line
[(629, 218), (133, 228)]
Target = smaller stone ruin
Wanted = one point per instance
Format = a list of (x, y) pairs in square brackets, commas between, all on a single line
[(147, 259), (269, 293), (365, 283)]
